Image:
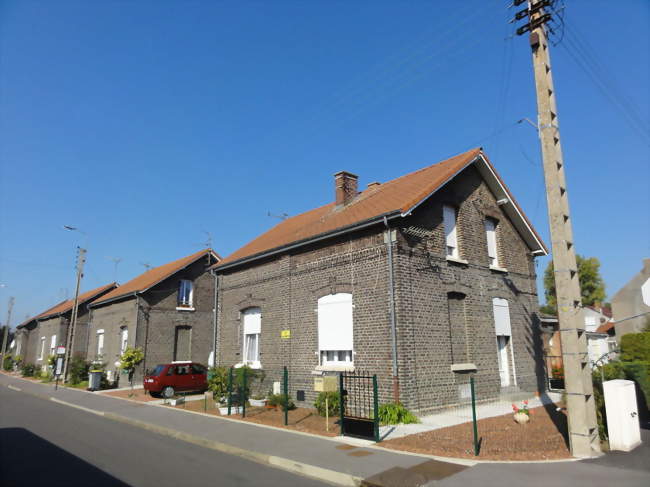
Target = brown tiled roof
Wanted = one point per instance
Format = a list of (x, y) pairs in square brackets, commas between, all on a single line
[(394, 197), (154, 276), (65, 306)]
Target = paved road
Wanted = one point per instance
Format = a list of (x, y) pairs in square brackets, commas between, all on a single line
[(49, 444)]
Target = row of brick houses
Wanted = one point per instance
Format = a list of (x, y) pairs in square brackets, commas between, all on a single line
[(420, 280)]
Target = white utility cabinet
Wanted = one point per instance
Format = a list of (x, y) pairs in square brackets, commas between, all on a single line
[(622, 415)]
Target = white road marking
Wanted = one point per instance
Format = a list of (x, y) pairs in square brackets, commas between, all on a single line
[(65, 403), (14, 388)]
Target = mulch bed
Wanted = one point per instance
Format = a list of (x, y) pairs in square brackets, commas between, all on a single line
[(542, 438), (300, 419)]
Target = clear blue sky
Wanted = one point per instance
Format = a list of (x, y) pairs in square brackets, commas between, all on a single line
[(148, 123)]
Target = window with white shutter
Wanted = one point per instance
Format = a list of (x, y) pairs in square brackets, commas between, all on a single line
[(451, 238), (53, 345), (252, 318), (100, 342), (124, 339), (335, 329), (42, 352), (501, 317), (491, 234)]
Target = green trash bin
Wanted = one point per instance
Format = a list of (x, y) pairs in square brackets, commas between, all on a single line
[(95, 380)]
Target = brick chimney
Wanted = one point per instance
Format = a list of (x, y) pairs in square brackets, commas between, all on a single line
[(346, 187)]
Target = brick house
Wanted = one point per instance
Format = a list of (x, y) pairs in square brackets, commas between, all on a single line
[(39, 336), (167, 311), (419, 280)]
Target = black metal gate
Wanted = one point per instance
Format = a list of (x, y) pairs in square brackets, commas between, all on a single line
[(359, 405)]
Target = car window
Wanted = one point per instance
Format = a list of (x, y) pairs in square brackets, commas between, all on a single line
[(157, 370), (198, 369), (182, 370), (170, 371)]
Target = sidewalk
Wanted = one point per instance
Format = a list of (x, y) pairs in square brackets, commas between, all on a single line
[(338, 461)]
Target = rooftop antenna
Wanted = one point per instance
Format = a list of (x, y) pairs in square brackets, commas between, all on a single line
[(282, 216), (208, 241), (116, 261), (146, 265)]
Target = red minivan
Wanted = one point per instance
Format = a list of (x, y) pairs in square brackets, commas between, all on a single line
[(167, 379)]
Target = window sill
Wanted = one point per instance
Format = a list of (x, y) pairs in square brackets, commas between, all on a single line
[(252, 365), (498, 269), (335, 368), (456, 260), (182, 308)]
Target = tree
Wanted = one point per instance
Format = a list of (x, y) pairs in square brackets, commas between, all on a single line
[(130, 359), (592, 286)]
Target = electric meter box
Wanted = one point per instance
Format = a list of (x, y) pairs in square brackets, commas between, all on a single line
[(325, 384), (622, 415)]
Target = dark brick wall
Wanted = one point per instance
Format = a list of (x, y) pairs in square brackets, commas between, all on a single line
[(287, 288), (152, 318)]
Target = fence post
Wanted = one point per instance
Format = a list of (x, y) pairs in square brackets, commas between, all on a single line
[(229, 390), (243, 397), (285, 380), (341, 401), (471, 385), (375, 405)]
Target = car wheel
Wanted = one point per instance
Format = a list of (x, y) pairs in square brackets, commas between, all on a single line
[(168, 392)]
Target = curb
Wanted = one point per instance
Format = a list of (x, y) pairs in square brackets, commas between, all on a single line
[(305, 469)]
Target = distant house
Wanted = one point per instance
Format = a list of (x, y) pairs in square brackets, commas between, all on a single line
[(39, 336), (599, 342), (631, 304), (167, 311), (420, 280)]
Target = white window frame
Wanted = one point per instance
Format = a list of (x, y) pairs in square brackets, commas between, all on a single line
[(53, 345), (492, 246), (40, 357), (124, 339), (450, 223), (252, 327), (336, 331), (503, 328), (182, 303), (100, 342)]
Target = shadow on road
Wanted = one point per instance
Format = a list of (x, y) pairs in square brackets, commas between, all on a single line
[(28, 460)]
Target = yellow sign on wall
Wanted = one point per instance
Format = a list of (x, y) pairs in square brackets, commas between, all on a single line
[(285, 334)]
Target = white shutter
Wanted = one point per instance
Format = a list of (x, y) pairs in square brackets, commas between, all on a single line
[(490, 230), (53, 341), (449, 217), (501, 317), (335, 330), (252, 321)]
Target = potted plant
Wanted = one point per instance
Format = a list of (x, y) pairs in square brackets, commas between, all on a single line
[(521, 414), (258, 400)]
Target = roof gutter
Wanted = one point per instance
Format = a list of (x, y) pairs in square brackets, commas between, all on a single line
[(323, 236)]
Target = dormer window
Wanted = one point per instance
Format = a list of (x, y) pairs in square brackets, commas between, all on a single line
[(185, 293), (451, 237)]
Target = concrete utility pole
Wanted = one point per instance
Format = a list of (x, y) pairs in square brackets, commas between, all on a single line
[(581, 410), (6, 332), (81, 260)]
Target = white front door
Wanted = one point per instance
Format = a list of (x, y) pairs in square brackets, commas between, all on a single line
[(504, 369)]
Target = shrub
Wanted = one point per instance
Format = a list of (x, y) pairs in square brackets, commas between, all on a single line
[(333, 403), (51, 361), (8, 362), (281, 400), (28, 370), (396, 413), (78, 369), (218, 382), (130, 359), (635, 347)]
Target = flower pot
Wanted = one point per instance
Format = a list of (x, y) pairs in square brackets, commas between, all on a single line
[(223, 410), (521, 418), (259, 403)]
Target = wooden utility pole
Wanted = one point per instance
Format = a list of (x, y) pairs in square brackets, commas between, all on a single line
[(6, 332), (581, 411), (81, 260)]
